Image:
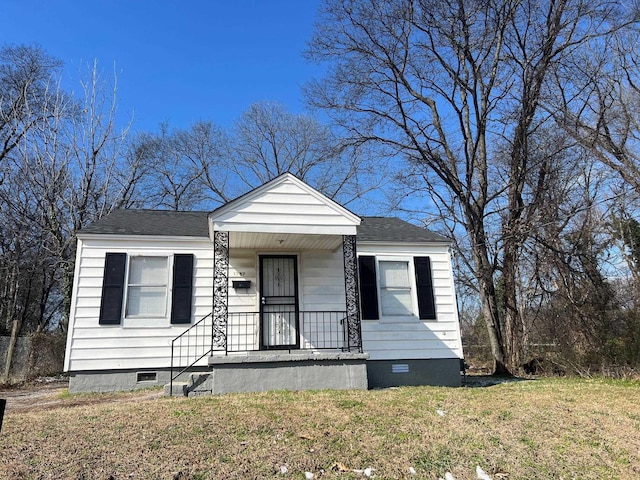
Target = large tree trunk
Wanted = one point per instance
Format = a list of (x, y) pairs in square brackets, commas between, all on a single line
[(511, 316), (489, 301), (492, 321)]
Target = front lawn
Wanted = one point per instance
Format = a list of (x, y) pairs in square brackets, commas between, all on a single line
[(546, 428)]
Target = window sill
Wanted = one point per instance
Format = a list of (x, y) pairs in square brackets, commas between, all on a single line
[(399, 319), (146, 322)]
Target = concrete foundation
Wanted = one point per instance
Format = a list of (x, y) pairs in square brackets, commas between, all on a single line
[(395, 373), (258, 372), (297, 371), (122, 380)]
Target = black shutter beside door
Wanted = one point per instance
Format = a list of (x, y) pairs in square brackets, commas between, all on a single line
[(182, 288), (368, 287), (112, 289), (424, 283)]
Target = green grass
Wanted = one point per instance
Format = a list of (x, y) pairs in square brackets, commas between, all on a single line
[(64, 394), (539, 429)]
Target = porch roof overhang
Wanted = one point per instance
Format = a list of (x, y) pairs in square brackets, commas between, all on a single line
[(283, 241)]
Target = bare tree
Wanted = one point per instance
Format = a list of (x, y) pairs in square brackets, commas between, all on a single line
[(60, 176), (267, 141), (206, 146), (203, 166), (180, 169), (597, 102), (453, 88), (26, 72)]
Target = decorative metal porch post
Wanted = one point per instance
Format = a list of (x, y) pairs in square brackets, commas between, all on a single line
[(220, 289), (354, 330)]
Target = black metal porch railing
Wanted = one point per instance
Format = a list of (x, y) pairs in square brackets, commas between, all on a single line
[(324, 330), (319, 330), (189, 347)]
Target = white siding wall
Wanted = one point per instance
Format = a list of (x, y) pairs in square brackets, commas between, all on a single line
[(408, 337), (322, 290), (146, 343), (136, 342), (322, 281), (243, 266), (243, 303)]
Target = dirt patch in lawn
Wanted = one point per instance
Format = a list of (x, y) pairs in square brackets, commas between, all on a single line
[(50, 394)]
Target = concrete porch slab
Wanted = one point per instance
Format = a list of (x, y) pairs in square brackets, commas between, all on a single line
[(263, 371), (279, 356)]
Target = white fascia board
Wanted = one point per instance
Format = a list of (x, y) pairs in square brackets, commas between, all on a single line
[(248, 197), (279, 228), (151, 238), (373, 243)]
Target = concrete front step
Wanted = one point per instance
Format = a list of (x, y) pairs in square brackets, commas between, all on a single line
[(266, 371), (196, 385), (179, 389), (200, 384)]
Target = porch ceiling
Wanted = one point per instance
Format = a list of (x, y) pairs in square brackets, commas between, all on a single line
[(283, 241)]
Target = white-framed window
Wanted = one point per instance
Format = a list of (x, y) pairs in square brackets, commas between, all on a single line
[(395, 288), (147, 286)]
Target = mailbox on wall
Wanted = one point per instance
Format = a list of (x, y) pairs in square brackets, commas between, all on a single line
[(241, 284)]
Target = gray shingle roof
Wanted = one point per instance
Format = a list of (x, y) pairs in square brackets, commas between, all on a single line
[(151, 222), (194, 224), (392, 229)]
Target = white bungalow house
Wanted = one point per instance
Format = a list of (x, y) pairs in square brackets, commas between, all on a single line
[(281, 288)]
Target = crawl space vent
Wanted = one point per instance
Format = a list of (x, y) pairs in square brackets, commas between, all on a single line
[(147, 377), (400, 368)]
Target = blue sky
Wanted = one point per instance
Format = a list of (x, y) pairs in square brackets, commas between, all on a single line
[(176, 61)]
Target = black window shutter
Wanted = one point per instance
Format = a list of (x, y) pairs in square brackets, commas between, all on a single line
[(424, 283), (112, 289), (182, 288), (368, 287)]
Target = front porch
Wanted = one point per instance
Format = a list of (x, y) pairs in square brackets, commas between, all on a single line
[(283, 331), (277, 345), (283, 286), (324, 356)]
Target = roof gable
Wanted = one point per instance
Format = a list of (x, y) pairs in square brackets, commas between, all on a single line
[(285, 205)]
